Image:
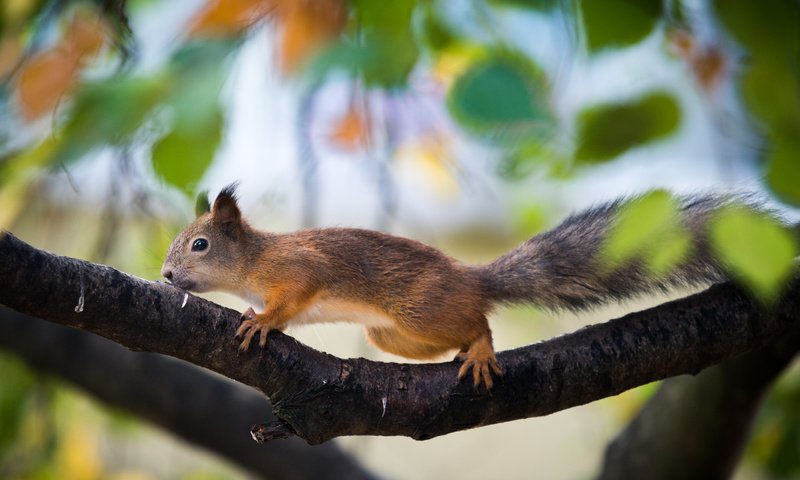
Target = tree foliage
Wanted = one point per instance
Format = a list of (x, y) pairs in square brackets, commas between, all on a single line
[(85, 79)]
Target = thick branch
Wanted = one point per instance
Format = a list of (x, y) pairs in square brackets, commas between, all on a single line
[(199, 406), (322, 397), (697, 427)]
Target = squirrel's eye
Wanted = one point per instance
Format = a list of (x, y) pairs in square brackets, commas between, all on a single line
[(199, 245)]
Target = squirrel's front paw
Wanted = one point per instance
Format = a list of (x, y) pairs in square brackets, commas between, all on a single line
[(248, 314), (249, 327)]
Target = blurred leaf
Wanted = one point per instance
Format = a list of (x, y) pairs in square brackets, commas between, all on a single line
[(14, 15), (502, 96), (228, 17), (78, 453), (10, 54), (618, 23), (385, 51), (772, 93), (520, 162), (351, 131), (307, 26), (606, 131), (201, 204), (430, 156), (436, 35), (18, 385), (85, 34), (17, 174), (770, 29), (43, 80), (183, 155), (756, 248), (109, 112), (776, 435), (381, 61), (534, 4), (783, 170), (27, 161), (47, 77), (530, 219), (647, 229)]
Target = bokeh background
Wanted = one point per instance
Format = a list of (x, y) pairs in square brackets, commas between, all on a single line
[(470, 125)]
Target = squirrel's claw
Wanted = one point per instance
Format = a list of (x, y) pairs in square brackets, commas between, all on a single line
[(482, 369), (248, 314), (249, 327)]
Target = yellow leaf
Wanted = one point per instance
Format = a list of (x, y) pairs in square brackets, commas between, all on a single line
[(430, 157), (78, 455)]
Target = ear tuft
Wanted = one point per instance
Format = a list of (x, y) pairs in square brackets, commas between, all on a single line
[(201, 205), (226, 210)]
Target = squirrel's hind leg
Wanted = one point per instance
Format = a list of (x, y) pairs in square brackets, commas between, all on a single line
[(392, 340)]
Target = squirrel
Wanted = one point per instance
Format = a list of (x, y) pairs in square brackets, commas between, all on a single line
[(413, 300)]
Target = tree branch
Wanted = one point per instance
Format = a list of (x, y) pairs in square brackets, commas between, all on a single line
[(322, 397), (697, 427), (200, 407)]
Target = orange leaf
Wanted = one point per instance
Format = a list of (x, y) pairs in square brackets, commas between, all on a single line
[(681, 42), (43, 80), (351, 131), (229, 17), (307, 26), (85, 35), (709, 67)]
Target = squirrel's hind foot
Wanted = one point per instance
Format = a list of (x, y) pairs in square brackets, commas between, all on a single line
[(480, 358)]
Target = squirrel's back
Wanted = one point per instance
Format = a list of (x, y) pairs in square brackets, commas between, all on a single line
[(562, 268)]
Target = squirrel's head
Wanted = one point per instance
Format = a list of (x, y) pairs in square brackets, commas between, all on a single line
[(206, 255)]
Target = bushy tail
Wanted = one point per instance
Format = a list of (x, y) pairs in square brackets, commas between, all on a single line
[(561, 268)]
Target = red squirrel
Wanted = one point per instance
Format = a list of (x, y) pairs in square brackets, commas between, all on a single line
[(413, 300)]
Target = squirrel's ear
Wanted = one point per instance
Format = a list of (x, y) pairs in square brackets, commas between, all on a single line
[(201, 205), (225, 211)]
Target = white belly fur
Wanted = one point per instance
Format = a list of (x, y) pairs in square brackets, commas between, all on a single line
[(334, 310), (328, 310)]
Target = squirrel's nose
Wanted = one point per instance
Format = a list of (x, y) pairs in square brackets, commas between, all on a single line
[(167, 273)]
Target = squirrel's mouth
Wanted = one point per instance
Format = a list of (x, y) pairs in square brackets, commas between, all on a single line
[(182, 284)]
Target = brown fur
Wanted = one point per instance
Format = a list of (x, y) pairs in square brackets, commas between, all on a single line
[(414, 300)]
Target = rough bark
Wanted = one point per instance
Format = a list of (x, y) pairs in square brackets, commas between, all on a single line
[(321, 397), (192, 403), (697, 427)]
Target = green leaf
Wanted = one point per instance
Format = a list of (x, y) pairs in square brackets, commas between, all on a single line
[(183, 155), (202, 205), (435, 33), (530, 219), (772, 92), (756, 248), (618, 23), (606, 131), (385, 51), (783, 170), (647, 229), (532, 4), (770, 29), (502, 96), (109, 112)]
